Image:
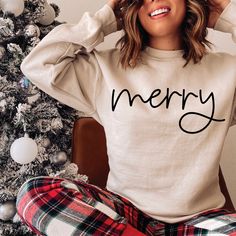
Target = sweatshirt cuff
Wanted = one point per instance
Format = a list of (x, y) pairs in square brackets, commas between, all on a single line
[(107, 17), (227, 20)]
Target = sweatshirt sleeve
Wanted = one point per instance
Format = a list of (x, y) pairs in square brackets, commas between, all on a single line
[(227, 23), (227, 20), (64, 65)]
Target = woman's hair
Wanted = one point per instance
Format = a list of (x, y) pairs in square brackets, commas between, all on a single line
[(135, 38)]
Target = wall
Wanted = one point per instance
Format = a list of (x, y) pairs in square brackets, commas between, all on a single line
[(72, 10)]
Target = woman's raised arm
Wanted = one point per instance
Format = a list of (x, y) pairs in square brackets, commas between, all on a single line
[(64, 64)]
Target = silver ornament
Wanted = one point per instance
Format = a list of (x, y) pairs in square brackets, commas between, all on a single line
[(7, 210), (60, 158), (49, 15)]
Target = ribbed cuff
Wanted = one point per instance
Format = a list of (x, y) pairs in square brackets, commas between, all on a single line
[(107, 17), (227, 20)]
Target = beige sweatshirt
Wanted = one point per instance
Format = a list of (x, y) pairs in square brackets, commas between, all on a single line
[(165, 125)]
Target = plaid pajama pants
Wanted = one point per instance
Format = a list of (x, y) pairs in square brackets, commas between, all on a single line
[(61, 207)]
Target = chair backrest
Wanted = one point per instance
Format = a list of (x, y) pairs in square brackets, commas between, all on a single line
[(89, 152)]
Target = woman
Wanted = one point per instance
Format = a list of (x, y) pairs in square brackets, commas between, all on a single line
[(165, 103)]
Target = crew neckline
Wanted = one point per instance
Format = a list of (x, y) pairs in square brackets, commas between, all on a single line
[(163, 54)]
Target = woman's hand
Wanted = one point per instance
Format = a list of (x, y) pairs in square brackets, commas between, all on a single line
[(216, 8), (114, 4)]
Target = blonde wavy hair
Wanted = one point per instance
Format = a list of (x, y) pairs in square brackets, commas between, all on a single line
[(135, 39)]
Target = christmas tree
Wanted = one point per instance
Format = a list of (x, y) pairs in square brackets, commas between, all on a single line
[(26, 109)]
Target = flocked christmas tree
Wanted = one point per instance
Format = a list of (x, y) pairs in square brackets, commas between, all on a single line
[(26, 109)]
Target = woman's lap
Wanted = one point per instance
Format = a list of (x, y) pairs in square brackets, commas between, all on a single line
[(55, 206)]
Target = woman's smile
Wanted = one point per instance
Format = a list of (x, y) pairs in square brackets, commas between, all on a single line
[(159, 12)]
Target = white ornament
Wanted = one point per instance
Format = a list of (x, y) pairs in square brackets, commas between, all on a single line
[(7, 210), (49, 15), (13, 6), (24, 150)]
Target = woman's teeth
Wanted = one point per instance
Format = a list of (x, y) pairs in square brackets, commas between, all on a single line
[(159, 11)]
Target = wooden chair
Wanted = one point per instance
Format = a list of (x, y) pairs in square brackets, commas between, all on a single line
[(89, 152)]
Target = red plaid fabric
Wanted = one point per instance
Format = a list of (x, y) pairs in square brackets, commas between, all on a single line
[(62, 207)]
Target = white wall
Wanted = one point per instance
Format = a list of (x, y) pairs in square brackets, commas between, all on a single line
[(72, 10)]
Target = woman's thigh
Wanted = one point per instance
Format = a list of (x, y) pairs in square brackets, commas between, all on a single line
[(56, 206)]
